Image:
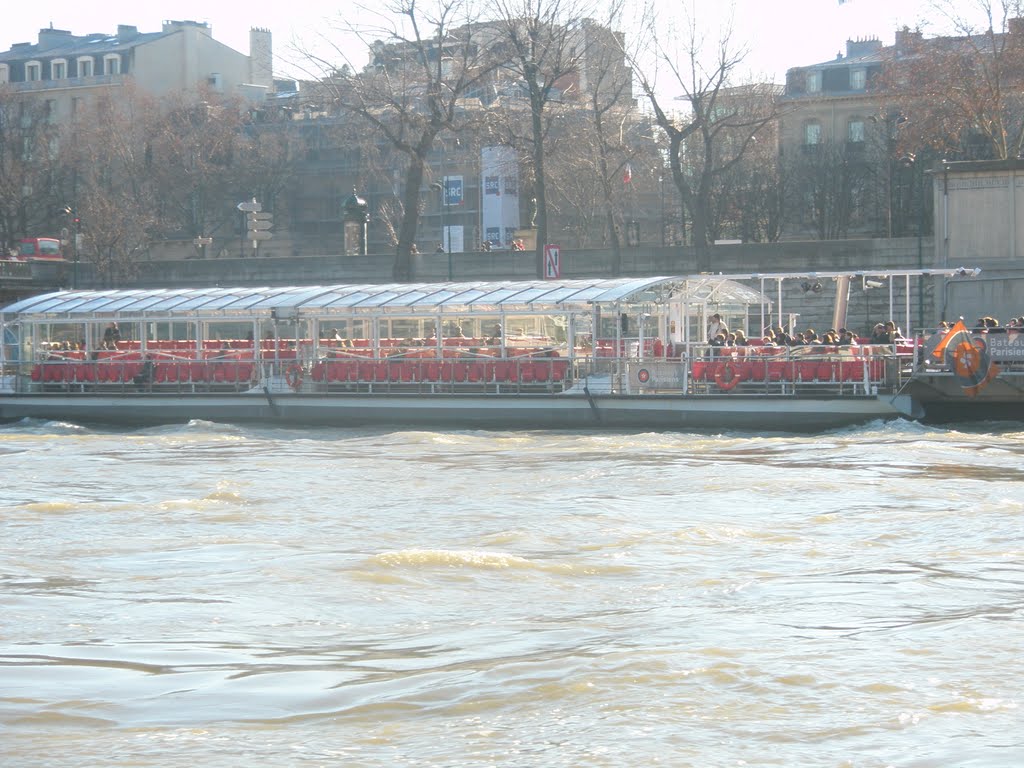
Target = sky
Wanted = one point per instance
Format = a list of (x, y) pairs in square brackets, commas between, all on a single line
[(779, 33)]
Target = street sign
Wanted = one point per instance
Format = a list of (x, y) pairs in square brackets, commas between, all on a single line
[(250, 206), (258, 235), (258, 224), (552, 262)]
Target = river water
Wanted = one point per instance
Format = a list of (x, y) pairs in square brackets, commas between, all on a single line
[(218, 596)]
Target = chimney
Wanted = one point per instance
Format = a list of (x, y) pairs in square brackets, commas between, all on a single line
[(126, 32), (51, 38), (857, 48), (261, 60)]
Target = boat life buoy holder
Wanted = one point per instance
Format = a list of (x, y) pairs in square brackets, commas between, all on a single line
[(728, 376), (643, 375), (293, 376)]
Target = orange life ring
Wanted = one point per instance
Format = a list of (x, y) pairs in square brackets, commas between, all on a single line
[(727, 376), (643, 375), (294, 376)]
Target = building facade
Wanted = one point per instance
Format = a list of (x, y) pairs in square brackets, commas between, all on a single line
[(66, 70)]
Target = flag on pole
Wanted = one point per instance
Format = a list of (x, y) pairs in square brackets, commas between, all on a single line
[(627, 174), (967, 357)]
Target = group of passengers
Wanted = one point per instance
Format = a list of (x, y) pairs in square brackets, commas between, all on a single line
[(991, 325), (776, 337)]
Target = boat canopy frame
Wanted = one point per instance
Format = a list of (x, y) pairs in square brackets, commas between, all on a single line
[(413, 298)]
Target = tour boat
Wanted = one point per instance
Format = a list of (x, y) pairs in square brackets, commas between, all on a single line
[(627, 353)]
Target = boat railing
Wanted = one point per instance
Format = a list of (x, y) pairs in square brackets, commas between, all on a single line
[(698, 370), (706, 370)]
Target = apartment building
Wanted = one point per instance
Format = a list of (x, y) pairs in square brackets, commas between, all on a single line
[(65, 70)]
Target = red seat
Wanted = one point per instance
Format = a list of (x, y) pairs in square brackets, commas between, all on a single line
[(503, 371), (852, 370), (807, 371), (827, 371)]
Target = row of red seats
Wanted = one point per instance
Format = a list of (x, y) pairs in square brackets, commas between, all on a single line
[(124, 372), (202, 371), (790, 370), (410, 371)]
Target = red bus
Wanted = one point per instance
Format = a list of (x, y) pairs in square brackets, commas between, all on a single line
[(40, 248)]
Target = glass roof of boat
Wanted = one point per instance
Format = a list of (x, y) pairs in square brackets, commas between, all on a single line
[(505, 295)]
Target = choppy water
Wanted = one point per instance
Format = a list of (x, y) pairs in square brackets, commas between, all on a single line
[(219, 596)]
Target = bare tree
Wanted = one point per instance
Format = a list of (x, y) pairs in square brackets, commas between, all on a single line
[(114, 194), (194, 154), (721, 121), (963, 94), (543, 49), (30, 171), (749, 201), (424, 61)]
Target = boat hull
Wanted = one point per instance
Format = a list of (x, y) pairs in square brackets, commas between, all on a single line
[(782, 413)]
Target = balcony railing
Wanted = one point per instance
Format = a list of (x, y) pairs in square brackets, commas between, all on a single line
[(67, 82)]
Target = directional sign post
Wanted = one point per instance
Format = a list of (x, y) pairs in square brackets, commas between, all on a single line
[(247, 207), (257, 225)]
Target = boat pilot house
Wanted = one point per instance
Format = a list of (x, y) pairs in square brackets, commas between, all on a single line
[(572, 353)]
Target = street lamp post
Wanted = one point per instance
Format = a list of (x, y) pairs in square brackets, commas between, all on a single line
[(442, 187)]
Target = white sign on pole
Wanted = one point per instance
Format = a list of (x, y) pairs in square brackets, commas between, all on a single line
[(552, 262), (249, 206)]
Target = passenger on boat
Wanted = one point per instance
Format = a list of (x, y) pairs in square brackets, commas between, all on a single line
[(111, 335), (720, 341), (895, 334), (846, 338), (740, 339), (782, 338), (716, 326), (879, 334)]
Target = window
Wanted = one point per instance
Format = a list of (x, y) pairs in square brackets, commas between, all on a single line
[(812, 133), (50, 111), (58, 69), (112, 64), (33, 71), (813, 82), (85, 66), (5, 73), (858, 79), (855, 131)]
